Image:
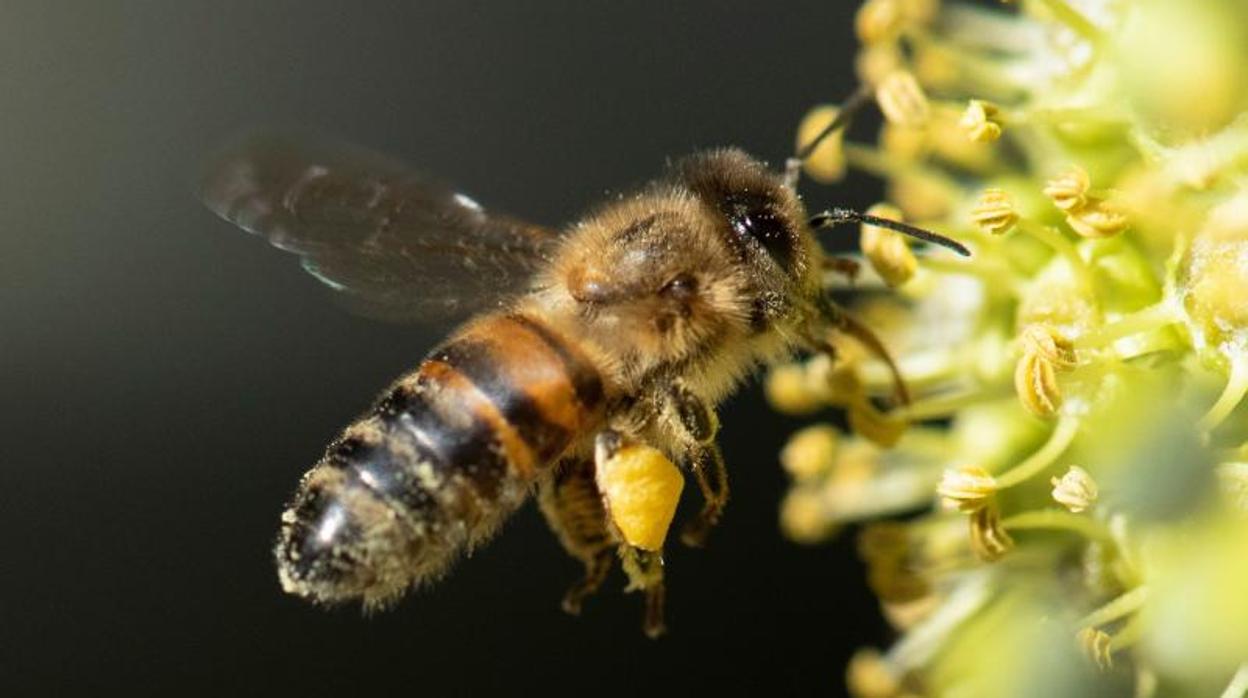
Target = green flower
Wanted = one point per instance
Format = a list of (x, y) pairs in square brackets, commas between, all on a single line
[(1073, 469)]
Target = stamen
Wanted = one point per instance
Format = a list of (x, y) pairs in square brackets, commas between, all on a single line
[(1059, 520), (1067, 15), (1154, 317), (1063, 247), (1238, 688), (1057, 444), (1232, 394), (1120, 607)]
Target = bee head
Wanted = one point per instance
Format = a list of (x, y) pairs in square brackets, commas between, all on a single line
[(718, 250), (759, 217)]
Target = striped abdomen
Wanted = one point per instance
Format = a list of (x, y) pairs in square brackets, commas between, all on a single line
[(442, 458)]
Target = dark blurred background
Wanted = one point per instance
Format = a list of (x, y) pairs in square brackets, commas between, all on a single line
[(165, 378)]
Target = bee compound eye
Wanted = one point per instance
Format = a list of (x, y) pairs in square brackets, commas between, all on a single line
[(753, 216)]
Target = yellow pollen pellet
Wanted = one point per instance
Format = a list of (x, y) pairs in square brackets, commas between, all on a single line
[(641, 488)]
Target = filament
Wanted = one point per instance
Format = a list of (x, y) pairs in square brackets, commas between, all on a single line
[(1057, 444)]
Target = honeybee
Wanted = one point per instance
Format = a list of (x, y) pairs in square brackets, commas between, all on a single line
[(626, 327)]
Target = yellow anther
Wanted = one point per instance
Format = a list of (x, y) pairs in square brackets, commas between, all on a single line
[(919, 11), (989, 541), (875, 426), (902, 99), (803, 517), (789, 390), (1097, 218), (888, 251), (1095, 644), (878, 21), (981, 121), (1035, 381), (876, 61), (1047, 343), (967, 489), (868, 676), (827, 163), (810, 452), (994, 212), (1076, 490), (1069, 190)]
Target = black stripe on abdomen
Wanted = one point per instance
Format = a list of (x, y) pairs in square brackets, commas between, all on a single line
[(480, 363)]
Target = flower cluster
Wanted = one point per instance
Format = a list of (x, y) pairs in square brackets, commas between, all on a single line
[(1072, 467)]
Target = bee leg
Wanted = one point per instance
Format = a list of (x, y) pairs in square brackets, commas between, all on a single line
[(699, 425), (837, 317), (707, 464), (572, 505), (645, 572), (845, 266)]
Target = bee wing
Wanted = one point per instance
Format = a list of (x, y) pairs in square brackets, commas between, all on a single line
[(391, 242)]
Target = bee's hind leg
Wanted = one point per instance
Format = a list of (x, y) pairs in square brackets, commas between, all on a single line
[(572, 505), (645, 572), (644, 567)]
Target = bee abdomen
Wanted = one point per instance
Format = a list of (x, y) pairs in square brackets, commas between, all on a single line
[(452, 448)]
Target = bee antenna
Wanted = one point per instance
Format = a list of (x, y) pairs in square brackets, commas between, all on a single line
[(844, 115), (844, 215)]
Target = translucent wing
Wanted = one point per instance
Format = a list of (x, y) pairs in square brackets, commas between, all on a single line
[(391, 242)]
